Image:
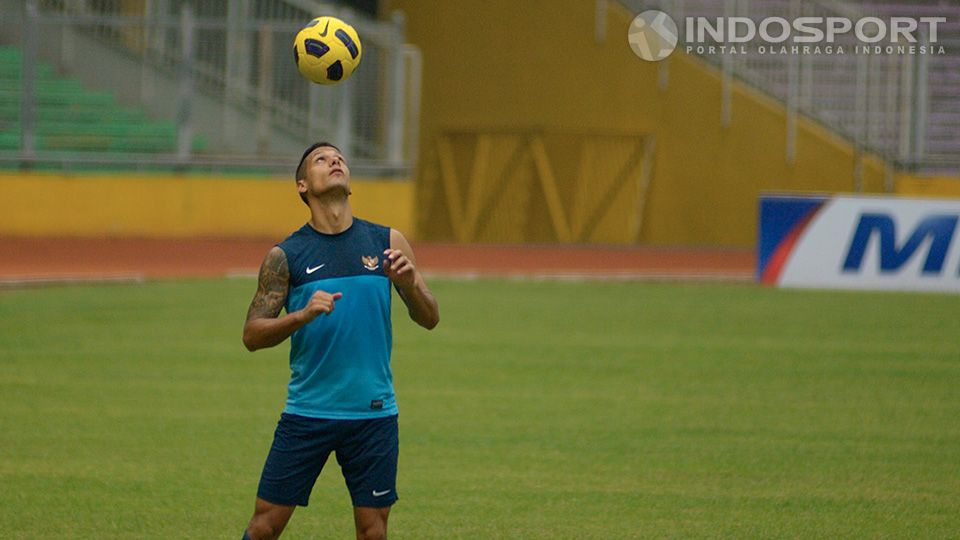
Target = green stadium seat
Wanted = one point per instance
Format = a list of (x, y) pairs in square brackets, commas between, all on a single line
[(9, 140), (71, 118), (43, 85), (10, 112), (51, 97)]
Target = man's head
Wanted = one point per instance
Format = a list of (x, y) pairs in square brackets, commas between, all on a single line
[(321, 166)]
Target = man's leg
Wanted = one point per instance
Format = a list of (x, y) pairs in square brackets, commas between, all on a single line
[(268, 520), (300, 449), (371, 522), (368, 460)]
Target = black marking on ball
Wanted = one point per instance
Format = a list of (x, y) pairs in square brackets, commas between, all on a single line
[(313, 23), (347, 42), (296, 56), (315, 47), (335, 71)]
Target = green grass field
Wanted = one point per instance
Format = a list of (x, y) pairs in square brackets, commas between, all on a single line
[(535, 410)]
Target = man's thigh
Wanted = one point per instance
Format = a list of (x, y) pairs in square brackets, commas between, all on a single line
[(299, 451), (368, 460)]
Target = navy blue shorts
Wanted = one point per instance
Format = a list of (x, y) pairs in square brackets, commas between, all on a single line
[(366, 450)]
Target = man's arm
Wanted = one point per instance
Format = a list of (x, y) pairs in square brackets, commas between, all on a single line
[(400, 267), (263, 327)]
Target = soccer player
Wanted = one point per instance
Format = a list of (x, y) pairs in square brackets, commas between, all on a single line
[(333, 276)]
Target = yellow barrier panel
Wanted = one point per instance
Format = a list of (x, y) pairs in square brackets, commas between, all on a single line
[(543, 186), (178, 206), (938, 186)]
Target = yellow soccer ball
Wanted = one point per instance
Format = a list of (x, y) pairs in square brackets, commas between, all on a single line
[(327, 50)]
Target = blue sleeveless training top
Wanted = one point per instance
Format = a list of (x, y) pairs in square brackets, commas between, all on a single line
[(340, 362)]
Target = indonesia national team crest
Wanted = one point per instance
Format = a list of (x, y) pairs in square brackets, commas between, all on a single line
[(370, 263)]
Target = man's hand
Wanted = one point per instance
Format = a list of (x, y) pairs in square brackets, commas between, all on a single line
[(399, 265), (399, 268), (320, 302), (264, 326)]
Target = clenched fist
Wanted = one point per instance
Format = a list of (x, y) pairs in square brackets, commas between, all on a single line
[(320, 302), (399, 268)]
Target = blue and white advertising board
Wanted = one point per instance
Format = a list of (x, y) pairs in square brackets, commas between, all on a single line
[(859, 242)]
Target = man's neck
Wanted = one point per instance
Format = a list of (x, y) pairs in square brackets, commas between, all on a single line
[(331, 216)]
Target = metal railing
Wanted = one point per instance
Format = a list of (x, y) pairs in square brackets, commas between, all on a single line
[(904, 108), (222, 70)]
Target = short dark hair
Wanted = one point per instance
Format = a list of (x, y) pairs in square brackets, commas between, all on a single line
[(301, 171)]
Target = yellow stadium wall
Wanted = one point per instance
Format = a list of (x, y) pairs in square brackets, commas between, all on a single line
[(178, 206), (926, 186), (506, 65)]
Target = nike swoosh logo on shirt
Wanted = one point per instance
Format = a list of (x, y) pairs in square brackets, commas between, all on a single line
[(315, 268), (381, 493)]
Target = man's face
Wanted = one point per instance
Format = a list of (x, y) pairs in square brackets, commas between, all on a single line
[(324, 169)]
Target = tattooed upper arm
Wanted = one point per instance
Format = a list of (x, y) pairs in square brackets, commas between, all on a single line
[(274, 283)]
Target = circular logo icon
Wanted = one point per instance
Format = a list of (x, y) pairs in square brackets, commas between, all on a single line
[(652, 35)]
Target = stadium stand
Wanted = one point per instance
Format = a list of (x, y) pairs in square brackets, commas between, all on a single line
[(71, 117), (232, 84), (905, 108)]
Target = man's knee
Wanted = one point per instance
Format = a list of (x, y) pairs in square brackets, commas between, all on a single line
[(377, 531), (263, 529), (268, 521), (371, 524)]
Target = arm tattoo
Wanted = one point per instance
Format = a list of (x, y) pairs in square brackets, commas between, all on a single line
[(272, 290)]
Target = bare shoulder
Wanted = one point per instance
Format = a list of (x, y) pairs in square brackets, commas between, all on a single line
[(398, 241), (273, 284), (275, 263)]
